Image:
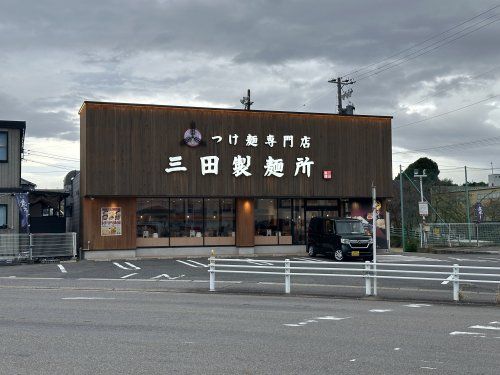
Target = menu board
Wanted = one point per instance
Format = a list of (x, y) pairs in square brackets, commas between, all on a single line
[(111, 221)]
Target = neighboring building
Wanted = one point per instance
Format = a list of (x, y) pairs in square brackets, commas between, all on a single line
[(179, 181), (47, 211), (494, 180), (11, 150)]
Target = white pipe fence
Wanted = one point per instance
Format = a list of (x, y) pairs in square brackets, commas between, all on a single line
[(368, 271)]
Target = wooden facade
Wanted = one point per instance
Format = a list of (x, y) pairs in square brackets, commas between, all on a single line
[(125, 149)]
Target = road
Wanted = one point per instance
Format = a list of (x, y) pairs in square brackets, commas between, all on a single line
[(63, 331), (192, 275)]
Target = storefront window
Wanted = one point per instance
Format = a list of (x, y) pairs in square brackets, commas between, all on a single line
[(285, 221), (266, 222), (219, 222), (186, 218), (152, 218), (299, 228)]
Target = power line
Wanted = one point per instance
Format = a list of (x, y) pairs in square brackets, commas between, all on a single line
[(446, 113), (425, 51), (56, 156), (422, 42), (50, 165)]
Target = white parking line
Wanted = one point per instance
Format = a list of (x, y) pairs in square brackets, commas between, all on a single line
[(187, 264), (457, 333), (310, 260), (448, 279), (198, 263), (61, 267), (486, 327), (120, 266), (417, 305), (380, 310), (259, 263), (86, 298), (132, 265), (129, 275)]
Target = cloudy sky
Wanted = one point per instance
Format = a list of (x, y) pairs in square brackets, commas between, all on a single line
[(422, 61)]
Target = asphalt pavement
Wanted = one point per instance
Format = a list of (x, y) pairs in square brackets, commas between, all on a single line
[(70, 331)]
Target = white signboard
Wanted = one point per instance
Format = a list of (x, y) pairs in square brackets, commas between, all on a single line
[(423, 208)]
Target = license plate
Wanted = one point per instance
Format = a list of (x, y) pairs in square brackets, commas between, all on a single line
[(355, 253)]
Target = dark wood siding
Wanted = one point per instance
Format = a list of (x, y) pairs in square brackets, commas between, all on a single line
[(125, 150), (91, 224)]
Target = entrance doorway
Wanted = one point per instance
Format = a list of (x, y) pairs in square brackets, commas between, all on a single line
[(321, 208)]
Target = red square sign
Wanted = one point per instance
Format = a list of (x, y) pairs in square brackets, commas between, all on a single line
[(327, 175)]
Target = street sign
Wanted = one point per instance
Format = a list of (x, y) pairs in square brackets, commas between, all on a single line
[(423, 208)]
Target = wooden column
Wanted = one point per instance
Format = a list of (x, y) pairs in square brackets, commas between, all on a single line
[(245, 225)]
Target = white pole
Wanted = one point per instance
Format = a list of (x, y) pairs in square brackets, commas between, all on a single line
[(287, 276), (388, 229), (212, 274), (374, 234), (368, 282)]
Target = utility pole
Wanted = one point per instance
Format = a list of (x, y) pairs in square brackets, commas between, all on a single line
[(340, 84), (467, 213), (246, 101), (402, 206), (422, 205)]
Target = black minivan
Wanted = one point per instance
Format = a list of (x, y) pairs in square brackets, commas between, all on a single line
[(339, 237)]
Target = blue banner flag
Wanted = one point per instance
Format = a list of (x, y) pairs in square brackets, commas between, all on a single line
[(24, 208)]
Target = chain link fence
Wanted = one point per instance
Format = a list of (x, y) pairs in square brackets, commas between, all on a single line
[(461, 234), (37, 246)]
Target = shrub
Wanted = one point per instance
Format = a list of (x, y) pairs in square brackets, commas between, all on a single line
[(411, 245)]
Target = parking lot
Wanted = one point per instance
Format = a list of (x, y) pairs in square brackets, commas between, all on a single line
[(192, 274)]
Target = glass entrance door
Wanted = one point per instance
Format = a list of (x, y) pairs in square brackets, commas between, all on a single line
[(321, 208)]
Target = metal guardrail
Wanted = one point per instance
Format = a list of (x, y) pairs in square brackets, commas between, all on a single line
[(368, 271), (37, 246)]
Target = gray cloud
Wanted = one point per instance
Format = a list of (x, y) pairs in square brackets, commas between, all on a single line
[(57, 53)]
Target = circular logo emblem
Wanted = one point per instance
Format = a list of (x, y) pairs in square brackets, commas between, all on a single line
[(192, 137)]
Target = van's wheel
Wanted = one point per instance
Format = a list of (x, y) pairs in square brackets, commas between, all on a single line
[(311, 251), (338, 255)]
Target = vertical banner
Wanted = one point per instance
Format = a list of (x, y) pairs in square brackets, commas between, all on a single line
[(111, 221), (24, 209), (362, 210)]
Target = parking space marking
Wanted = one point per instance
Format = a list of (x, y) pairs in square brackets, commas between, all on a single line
[(417, 305), (132, 265), (310, 260), (120, 266), (315, 320), (259, 263), (86, 298), (447, 280), (198, 263), (380, 310), (458, 333), (396, 258), (129, 275), (187, 264), (168, 277), (485, 327), (192, 263), (61, 267)]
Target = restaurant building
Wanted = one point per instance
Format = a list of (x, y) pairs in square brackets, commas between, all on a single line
[(159, 181)]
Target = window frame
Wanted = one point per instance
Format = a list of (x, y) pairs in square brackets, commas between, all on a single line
[(6, 160), (6, 206)]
